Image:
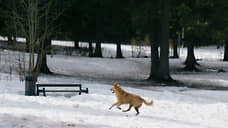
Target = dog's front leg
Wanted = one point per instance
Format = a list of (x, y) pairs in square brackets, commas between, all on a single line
[(114, 105), (117, 105)]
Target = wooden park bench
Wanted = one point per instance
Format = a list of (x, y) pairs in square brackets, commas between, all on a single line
[(46, 88)]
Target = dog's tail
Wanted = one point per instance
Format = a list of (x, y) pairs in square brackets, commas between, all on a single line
[(148, 103)]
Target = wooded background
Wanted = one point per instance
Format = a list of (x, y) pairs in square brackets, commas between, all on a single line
[(194, 22)]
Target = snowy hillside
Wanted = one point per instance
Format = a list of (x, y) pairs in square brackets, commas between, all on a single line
[(174, 107)]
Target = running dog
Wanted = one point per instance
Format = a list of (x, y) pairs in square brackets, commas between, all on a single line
[(124, 97)]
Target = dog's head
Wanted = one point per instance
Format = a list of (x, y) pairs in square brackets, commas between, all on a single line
[(115, 88)]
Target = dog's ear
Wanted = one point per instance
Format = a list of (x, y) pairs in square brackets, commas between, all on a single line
[(115, 84)]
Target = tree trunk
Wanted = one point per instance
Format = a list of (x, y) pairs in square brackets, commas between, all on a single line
[(98, 52), (118, 50), (163, 70), (42, 58), (190, 60), (90, 48), (41, 63), (27, 45), (14, 39), (154, 60), (10, 41), (76, 44), (154, 43), (226, 51), (175, 49)]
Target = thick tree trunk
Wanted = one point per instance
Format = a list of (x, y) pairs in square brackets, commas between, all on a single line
[(190, 60), (41, 63), (154, 60), (225, 58), (160, 65), (118, 50), (163, 70), (98, 51), (154, 39), (90, 49)]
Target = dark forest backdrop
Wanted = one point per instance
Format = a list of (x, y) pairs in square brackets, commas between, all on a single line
[(196, 22)]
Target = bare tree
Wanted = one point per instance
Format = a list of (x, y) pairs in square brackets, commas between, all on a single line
[(35, 19)]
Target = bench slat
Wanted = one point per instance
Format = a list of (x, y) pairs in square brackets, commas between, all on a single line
[(58, 85), (60, 90)]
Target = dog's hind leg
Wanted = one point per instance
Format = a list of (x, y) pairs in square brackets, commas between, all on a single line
[(128, 108), (137, 110)]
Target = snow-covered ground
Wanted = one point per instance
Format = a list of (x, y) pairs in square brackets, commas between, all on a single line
[(174, 107)]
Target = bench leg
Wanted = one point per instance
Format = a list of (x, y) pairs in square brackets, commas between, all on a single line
[(44, 94), (80, 90), (37, 91), (87, 90)]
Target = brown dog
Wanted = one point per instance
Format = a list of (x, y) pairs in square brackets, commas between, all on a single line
[(124, 97)]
